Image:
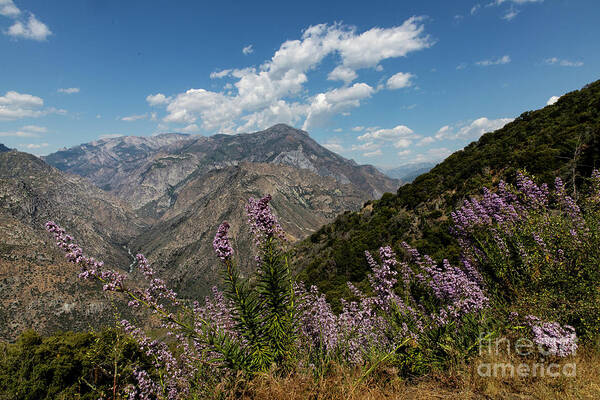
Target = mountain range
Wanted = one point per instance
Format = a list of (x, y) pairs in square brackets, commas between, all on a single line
[(164, 196)]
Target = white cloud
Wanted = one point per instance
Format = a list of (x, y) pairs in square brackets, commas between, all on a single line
[(248, 50), (35, 128), (131, 118), (220, 74), (510, 14), (475, 8), (341, 73), (499, 61), (404, 153), (461, 66), (31, 29), (400, 80), (32, 146), (68, 90), (276, 88), (402, 143), (334, 145), (110, 135), (157, 99), (373, 153), (563, 63), (324, 105), (392, 134), (366, 146), (358, 128), (9, 9), (338, 130), (472, 130), (552, 100), (190, 128), (15, 105), (425, 141)]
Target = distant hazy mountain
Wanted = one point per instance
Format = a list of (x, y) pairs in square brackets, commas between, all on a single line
[(148, 171), (37, 287), (407, 173)]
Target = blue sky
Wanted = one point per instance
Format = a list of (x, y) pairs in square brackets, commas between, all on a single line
[(382, 82)]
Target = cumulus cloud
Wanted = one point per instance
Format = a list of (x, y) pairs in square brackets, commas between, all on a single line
[(552, 100), (131, 118), (498, 61), (341, 73), (377, 152), (392, 134), (248, 50), (190, 128), (32, 146), (15, 105), (35, 128), (157, 99), (475, 8), (68, 90), (326, 104), (400, 80), (9, 9), (31, 29), (26, 131), (563, 63), (472, 130), (366, 146), (275, 91), (358, 129), (110, 135)]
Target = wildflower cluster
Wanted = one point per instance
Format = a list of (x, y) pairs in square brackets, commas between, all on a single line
[(552, 338), (523, 245)]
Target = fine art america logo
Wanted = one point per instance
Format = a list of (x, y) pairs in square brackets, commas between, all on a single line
[(523, 347)]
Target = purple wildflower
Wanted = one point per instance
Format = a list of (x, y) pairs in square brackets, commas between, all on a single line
[(221, 242)]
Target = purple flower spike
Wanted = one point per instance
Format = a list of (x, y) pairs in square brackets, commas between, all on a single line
[(262, 222), (221, 242)]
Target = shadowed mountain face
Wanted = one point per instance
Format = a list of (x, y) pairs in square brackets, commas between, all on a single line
[(180, 243), (146, 172), (3, 148), (37, 287)]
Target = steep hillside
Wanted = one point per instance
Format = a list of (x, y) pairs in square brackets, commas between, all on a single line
[(180, 243), (3, 148), (37, 287), (563, 138), (146, 171)]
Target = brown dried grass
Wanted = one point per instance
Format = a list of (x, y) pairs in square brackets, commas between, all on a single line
[(461, 382)]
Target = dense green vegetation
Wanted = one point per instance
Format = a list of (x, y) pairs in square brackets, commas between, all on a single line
[(67, 365), (562, 139)]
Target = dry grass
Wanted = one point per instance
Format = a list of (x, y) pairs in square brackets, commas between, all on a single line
[(456, 383)]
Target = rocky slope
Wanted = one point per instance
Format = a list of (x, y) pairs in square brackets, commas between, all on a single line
[(180, 243), (146, 171), (38, 289)]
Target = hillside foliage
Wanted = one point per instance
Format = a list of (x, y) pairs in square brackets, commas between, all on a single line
[(559, 140)]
